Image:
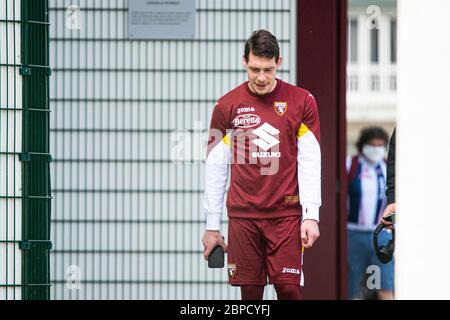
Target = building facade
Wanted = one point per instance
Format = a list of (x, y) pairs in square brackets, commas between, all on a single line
[(371, 66)]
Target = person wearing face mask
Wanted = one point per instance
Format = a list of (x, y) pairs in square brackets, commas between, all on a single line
[(366, 203)]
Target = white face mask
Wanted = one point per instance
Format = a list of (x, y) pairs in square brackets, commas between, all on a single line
[(373, 154)]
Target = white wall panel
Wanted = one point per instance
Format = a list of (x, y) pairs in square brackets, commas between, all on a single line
[(10, 146)]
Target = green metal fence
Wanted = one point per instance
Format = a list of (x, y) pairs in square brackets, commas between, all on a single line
[(24, 149)]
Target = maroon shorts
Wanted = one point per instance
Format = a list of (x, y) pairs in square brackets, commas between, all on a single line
[(261, 248)]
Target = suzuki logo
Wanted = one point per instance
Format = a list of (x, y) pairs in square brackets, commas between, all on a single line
[(265, 134)]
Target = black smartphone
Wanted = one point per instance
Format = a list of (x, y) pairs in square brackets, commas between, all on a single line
[(216, 258), (390, 218)]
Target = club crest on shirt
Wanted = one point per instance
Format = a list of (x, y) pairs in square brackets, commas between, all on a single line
[(231, 270), (280, 107)]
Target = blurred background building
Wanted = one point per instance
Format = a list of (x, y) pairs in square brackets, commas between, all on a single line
[(371, 66)]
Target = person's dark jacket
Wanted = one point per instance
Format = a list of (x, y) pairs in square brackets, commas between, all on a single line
[(390, 182)]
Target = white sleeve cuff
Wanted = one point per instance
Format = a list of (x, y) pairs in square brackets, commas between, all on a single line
[(310, 212), (213, 221)]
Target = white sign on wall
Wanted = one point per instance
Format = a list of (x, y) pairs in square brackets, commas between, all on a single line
[(161, 19)]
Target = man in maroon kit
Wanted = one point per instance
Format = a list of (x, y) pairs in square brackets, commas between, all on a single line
[(267, 131)]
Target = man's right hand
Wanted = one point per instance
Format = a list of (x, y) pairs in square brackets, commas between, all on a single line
[(390, 209), (210, 240)]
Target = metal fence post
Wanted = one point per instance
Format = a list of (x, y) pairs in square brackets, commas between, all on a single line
[(35, 156)]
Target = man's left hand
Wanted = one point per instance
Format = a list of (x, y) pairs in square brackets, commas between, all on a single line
[(309, 233)]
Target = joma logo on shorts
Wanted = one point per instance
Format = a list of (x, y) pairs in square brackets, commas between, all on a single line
[(291, 270)]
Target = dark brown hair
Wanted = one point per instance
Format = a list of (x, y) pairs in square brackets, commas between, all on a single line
[(262, 44), (371, 133)]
